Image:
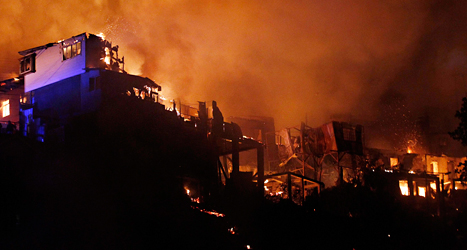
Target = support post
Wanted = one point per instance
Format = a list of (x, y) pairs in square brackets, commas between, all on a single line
[(260, 169), (410, 185), (235, 157), (438, 195), (341, 175)]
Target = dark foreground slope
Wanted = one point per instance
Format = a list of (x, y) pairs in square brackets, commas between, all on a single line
[(126, 192)]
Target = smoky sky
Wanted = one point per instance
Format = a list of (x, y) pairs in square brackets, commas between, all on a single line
[(291, 60)]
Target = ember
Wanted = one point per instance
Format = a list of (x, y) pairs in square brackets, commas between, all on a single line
[(209, 212)]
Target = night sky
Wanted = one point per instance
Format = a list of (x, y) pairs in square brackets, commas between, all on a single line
[(292, 60)]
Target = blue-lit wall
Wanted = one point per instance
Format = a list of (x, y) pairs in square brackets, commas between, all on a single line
[(60, 100)]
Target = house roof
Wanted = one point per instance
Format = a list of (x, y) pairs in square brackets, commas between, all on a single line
[(10, 84), (29, 51)]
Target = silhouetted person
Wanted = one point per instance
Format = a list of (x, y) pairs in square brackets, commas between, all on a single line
[(31, 127), (10, 128), (217, 120), (203, 117), (22, 125)]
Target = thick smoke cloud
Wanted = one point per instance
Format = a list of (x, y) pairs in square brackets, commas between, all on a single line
[(292, 60)]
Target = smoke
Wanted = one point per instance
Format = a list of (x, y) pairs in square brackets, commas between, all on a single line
[(292, 60)]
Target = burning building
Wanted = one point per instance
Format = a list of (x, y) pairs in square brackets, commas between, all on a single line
[(76, 89), (329, 153), (79, 86), (11, 95), (71, 78)]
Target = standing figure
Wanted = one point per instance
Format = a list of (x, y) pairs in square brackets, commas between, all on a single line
[(10, 128), (217, 120)]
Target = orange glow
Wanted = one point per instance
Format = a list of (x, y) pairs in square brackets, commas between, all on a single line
[(422, 191), (217, 214), (6, 108), (107, 56), (404, 186), (101, 35), (409, 150), (197, 46)]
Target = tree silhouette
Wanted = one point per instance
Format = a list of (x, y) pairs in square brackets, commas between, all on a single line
[(460, 134)]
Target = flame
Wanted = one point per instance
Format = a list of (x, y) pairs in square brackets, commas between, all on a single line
[(409, 150), (213, 212), (404, 187), (101, 35), (107, 56), (422, 191)]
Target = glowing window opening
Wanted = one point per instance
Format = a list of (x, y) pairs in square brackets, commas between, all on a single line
[(394, 161), (404, 186), (6, 108), (71, 50), (422, 191), (435, 166)]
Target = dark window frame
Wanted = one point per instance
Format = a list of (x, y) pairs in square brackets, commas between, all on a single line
[(28, 64), (92, 84)]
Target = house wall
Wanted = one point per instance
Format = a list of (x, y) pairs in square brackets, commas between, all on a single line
[(440, 161), (58, 101), (51, 68), (91, 98)]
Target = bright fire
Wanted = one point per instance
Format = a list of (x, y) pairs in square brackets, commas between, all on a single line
[(422, 191), (101, 35), (107, 56), (404, 186)]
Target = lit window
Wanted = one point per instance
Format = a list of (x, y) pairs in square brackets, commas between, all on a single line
[(78, 48), (422, 191), (404, 186), (68, 52), (433, 186), (435, 166), (72, 50), (6, 108), (394, 161)]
